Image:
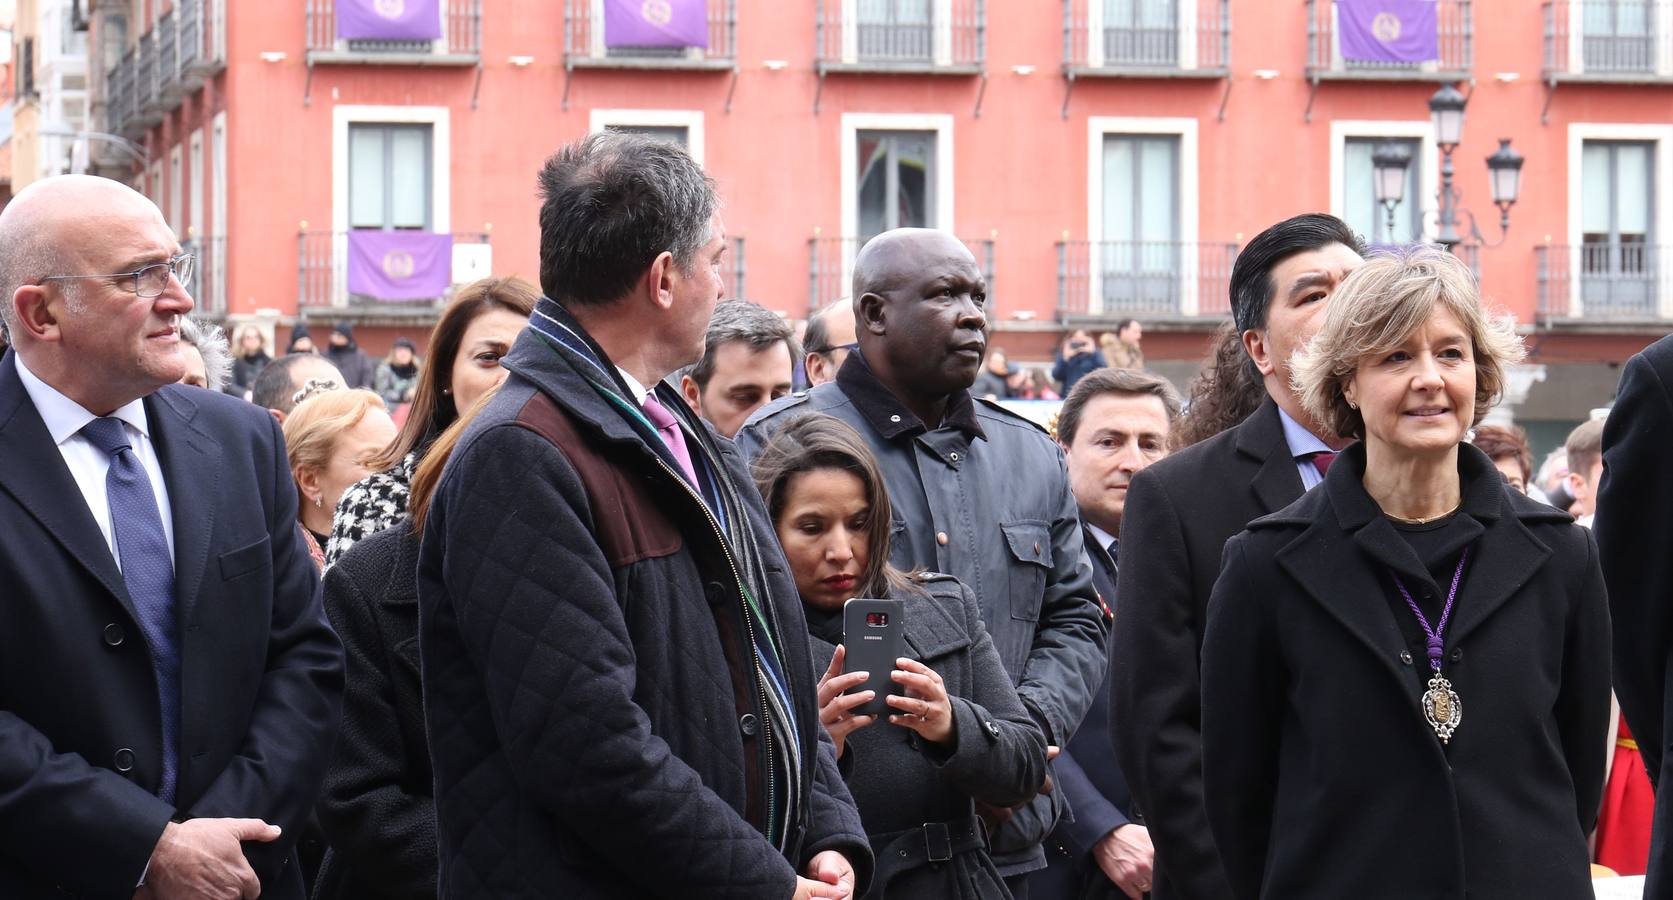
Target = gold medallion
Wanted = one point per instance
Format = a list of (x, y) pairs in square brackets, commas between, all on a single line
[(1441, 708)]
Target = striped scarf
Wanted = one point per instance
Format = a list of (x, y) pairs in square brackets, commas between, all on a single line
[(720, 496)]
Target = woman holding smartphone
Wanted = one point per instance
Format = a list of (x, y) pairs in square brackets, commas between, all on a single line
[(956, 732)]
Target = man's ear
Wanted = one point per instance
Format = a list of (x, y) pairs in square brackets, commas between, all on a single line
[(34, 314), (871, 313), (658, 284), (1255, 344), (692, 393)]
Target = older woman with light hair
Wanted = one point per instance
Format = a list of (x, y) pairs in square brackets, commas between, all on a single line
[(208, 360), (332, 436), (1405, 673)]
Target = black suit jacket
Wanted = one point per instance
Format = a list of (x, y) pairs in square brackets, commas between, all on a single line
[(1178, 516), (1634, 528), (80, 732), (1091, 781)]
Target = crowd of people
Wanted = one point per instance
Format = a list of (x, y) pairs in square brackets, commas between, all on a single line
[(560, 606)]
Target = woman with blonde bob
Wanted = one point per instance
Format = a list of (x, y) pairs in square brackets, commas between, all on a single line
[(332, 437), (1406, 672)]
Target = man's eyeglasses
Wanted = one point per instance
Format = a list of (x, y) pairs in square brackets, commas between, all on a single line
[(149, 281)]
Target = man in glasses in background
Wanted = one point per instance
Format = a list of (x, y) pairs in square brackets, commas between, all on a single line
[(169, 686), (828, 341)]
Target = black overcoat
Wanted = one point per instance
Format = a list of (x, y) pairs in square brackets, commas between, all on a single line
[(1178, 516), (378, 807), (1320, 775), (1634, 535), (261, 672)]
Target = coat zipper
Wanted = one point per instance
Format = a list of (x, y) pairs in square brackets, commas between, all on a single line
[(749, 627)]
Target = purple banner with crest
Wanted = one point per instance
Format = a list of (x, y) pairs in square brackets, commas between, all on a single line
[(400, 265), (389, 20), (656, 23), (1396, 31)]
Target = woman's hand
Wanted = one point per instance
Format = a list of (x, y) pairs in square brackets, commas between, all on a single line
[(834, 705), (925, 708)]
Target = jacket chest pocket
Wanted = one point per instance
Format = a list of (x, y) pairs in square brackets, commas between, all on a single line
[(1028, 548)]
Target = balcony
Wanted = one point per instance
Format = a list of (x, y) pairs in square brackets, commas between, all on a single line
[(831, 267), (926, 37), (1455, 43), (585, 45), (459, 45), (1105, 281), (322, 281), (1146, 38), (1609, 41), (1611, 284), (186, 46)]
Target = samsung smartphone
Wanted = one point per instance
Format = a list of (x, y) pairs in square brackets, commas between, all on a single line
[(872, 633)]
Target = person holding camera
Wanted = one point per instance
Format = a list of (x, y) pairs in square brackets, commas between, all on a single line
[(1077, 357), (956, 733)]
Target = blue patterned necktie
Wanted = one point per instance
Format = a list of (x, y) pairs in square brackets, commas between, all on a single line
[(148, 570)]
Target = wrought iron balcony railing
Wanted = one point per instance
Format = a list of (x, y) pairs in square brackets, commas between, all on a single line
[(586, 45), (894, 36), (831, 267), (1151, 279), (186, 46), (1605, 282), (1454, 40), (1147, 38), (1620, 41)]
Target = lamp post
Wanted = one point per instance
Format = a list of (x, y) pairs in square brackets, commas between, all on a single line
[(1389, 162), (1504, 169), (135, 151)]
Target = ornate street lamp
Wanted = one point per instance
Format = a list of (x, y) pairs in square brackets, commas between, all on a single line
[(1446, 110), (1389, 162)]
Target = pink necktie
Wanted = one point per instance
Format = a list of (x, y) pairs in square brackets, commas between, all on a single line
[(669, 428), (1322, 460)]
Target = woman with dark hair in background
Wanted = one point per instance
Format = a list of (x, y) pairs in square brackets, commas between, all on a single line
[(462, 363), (958, 733), (377, 807), (1227, 391)]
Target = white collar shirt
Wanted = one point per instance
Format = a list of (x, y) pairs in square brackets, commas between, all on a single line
[(88, 464)]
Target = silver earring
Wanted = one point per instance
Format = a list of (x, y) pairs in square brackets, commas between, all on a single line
[(319, 502)]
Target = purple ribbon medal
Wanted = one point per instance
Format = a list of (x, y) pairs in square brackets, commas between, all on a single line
[(1440, 702)]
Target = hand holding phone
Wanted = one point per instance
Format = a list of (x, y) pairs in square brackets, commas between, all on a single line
[(872, 639)]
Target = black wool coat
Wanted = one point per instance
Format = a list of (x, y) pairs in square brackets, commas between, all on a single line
[(378, 808), (1634, 528), (579, 701), (901, 782), (1178, 516), (1320, 775)]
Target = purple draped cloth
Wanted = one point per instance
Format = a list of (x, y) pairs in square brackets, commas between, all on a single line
[(656, 23), (1396, 31), (400, 265), (389, 20)]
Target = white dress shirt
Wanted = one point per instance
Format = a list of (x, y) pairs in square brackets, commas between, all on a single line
[(1303, 444), (88, 464)]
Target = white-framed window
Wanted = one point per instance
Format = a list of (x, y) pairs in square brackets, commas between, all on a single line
[(194, 161), (372, 171), (1620, 36), (682, 126), (176, 189), (389, 175), (897, 170), (1620, 218), (1141, 202), (1353, 196), (1150, 33)]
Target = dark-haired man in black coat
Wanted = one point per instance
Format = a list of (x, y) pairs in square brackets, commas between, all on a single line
[(1180, 513), (1633, 533)]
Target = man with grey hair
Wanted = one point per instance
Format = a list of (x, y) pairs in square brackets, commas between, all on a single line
[(619, 692), (169, 685), (749, 359), (204, 346), (829, 339)]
